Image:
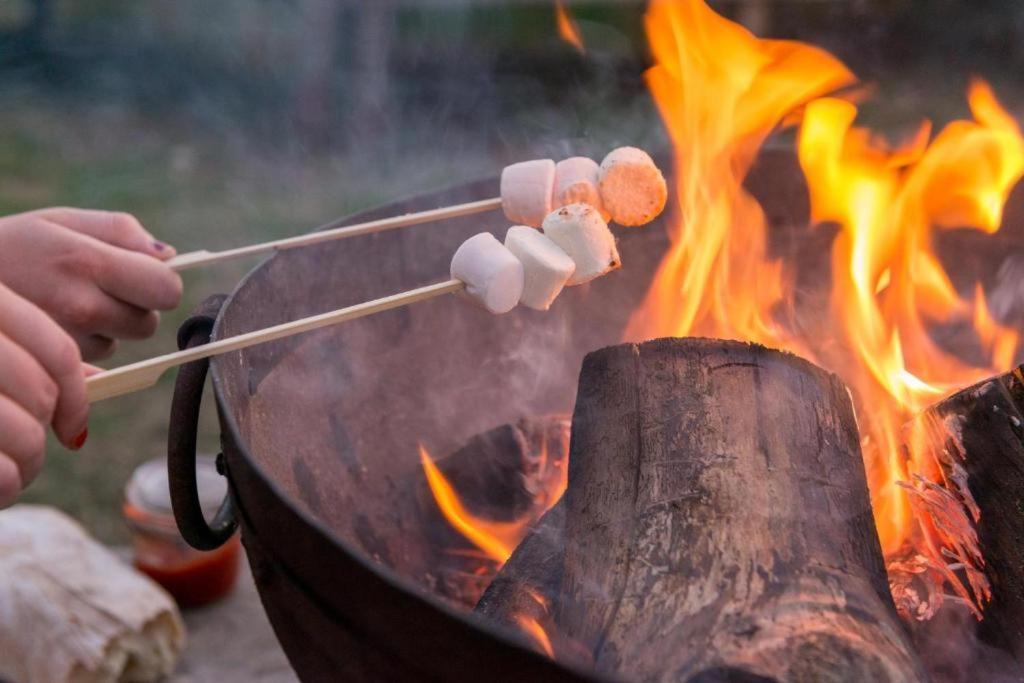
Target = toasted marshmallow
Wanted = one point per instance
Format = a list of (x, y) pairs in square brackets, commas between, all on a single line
[(633, 190), (492, 274), (582, 234), (526, 190), (576, 182), (546, 268)]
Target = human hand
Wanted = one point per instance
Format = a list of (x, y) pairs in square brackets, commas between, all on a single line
[(99, 274), (42, 382)]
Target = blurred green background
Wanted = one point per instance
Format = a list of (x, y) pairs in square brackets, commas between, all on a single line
[(224, 123)]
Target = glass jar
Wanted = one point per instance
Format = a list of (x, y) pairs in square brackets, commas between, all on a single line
[(191, 576)]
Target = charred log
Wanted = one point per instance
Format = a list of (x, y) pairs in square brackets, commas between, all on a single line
[(531, 580), (500, 473), (979, 432), (718, 521)]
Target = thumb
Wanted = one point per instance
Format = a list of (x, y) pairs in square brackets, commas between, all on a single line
[(88, 370)]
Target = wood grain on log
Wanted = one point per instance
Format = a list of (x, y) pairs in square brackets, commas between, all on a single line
[(718, 521), (982, 428)]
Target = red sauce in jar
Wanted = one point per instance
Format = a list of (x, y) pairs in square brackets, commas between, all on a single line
[(191, 576), (199, 579)]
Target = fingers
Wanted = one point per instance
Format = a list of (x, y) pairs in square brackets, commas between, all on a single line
[(31, 329), (22, 439), (94, 346), (23, 378), (137, 279), (113, 227), (10, 481), (105, 316)]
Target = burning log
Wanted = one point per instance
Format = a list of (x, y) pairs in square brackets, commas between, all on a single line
[(532, 576), (531, 580), (977, 438), (718, 521), (504, 479)]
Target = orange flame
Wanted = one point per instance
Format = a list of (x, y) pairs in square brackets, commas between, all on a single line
[(496, 539), (533, 629), (568, 29), (888, 203), (721, 91)]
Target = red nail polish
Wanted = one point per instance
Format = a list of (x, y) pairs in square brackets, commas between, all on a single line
[(159, 246), (79, 440)]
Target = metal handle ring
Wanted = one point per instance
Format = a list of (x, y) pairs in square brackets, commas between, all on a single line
[(182, 436)]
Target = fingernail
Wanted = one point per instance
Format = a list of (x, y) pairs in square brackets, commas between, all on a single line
[(158, 245), (79, 440)]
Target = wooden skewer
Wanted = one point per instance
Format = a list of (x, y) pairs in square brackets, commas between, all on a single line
[(328, 232), (137, 376)]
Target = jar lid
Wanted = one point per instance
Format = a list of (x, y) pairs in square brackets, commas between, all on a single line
[(149, 488)]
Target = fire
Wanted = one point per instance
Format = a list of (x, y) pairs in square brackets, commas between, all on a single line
[(721, 91), (568, 29), (497, 540), (888, 285), (533, 629), (717, 278)]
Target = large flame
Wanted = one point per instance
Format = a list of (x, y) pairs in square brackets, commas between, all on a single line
[(721, 91), (888, 285)]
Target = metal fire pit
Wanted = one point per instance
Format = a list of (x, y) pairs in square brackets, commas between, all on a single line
[(320, 432)]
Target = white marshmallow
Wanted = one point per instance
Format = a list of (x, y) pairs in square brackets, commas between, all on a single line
[(581, 233), (546, 267), (576, 182), (526, 190), (633, 190), (493, 275)]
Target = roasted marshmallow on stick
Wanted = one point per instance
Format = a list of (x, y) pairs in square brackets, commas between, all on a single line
[(526, 190), (576, 182), (633, 190), (492, 274), (546, 268), (582, 234)]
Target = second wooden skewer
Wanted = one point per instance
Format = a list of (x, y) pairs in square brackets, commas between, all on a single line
[(137, 376), (327, 233)]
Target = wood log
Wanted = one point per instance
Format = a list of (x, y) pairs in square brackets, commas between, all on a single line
[(531, 580), (718, 524), (72, 611), (500, 472), (522, 596), (981, 429)]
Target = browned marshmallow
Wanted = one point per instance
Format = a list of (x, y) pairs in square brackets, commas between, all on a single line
[(576, 182), (633, 190)]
